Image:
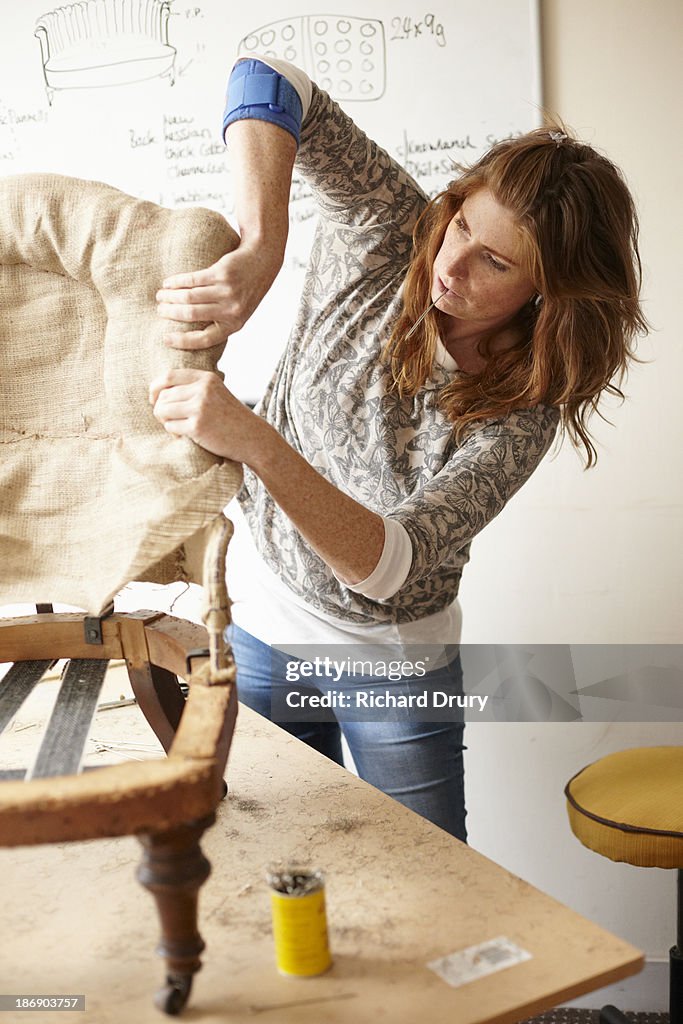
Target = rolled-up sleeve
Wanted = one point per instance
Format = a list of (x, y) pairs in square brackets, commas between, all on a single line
[(392, 569)]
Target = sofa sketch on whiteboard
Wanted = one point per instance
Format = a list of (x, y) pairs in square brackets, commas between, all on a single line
[(345, 55), (94, 43)]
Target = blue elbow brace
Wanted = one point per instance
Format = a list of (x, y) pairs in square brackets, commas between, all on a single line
[(256, 91)]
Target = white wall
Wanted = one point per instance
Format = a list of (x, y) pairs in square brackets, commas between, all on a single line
[(595, 557)]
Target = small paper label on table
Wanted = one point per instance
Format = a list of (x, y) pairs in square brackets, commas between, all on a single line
[(478, 961)]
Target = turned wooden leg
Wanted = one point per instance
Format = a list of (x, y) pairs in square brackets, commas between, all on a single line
[(173, 869)]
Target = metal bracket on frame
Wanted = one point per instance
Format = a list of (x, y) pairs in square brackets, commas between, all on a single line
[(92, 625)]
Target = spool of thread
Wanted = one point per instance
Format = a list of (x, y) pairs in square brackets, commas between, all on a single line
[(299, 921)]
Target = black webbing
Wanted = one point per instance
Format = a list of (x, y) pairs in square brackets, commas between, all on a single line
[(19, 774), (62, 747), (16, 685)]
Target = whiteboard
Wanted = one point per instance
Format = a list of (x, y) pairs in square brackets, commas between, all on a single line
[(131, 92)]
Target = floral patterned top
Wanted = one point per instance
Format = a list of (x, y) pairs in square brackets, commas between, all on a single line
[(330, 396)]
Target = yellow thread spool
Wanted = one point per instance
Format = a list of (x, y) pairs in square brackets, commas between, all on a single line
[(299, 922)]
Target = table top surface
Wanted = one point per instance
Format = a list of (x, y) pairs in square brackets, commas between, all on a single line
[(400, 893)]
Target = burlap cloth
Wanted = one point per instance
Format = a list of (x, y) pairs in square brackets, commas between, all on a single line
[(93, 492)]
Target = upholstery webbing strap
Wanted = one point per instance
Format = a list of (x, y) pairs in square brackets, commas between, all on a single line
[(62, 748), (17, 685), (19, 774)]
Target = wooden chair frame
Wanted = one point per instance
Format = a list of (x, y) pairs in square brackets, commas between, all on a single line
[(167, 803)]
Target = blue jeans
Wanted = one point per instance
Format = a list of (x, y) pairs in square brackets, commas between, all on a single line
[(418, 763)]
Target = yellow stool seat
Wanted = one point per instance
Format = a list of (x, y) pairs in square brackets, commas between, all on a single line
[(628, 806)]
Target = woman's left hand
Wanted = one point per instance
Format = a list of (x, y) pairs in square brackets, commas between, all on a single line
[(196, 404)]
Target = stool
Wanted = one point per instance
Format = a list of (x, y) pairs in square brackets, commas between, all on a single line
[(629, 807)]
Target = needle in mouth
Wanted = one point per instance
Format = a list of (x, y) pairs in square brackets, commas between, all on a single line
[(423, 315)]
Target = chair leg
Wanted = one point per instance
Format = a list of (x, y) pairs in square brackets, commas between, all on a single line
[(675, 984), (610, 1014), (173, 869), (676, 961)]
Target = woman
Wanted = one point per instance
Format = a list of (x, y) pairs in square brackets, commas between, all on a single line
[(387, 440)]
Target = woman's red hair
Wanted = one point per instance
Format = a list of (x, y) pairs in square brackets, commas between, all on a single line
[(580, 231)]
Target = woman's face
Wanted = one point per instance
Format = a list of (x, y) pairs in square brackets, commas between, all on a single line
[(479, 269)]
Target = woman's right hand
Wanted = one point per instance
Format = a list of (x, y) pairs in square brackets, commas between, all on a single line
[(223, 296)]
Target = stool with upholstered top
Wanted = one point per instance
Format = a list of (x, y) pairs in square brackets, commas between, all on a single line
[(629, 807)]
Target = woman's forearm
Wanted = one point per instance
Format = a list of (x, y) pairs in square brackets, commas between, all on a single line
[(196, 404), (347, 536), (225, 294)]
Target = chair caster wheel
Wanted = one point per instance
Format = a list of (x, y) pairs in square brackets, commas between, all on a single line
[(224, 790), (172, 997), (610, 1015)]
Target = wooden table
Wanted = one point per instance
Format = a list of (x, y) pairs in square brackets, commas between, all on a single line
[(400, 893)]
